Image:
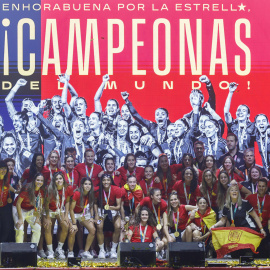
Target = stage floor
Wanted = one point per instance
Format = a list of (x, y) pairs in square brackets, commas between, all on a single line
[(214, 264)]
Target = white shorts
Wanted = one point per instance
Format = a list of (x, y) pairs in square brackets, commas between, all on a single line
[(26, 215), (114, 213), (173, 236), (78, 216)]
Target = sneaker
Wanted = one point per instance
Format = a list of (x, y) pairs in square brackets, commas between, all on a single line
[(113, 254), (108, 254), (93, 253), (86, 255), (80, 252), (42, 254), (70, 254), (38, 257), (50, 255), (59, 253), (101, 254)]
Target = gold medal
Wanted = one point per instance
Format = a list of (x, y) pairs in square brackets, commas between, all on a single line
[(106, 207), (176, 234), (159, 227), (36, 213), (232, 225), (9, 200), (83, 218)]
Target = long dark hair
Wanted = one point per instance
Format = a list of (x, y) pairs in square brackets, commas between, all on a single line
[(221, 191), (160, 172), (126, 158), (233, 165), (3, 164), (33, 167), (192, 160), (194, 181), (151, 220), (204, 184), (30, 188), (214, 168), (90, 193), (52, 189), (101, 188), (169, 208)]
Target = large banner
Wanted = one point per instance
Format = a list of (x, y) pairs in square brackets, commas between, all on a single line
[(157, 52)]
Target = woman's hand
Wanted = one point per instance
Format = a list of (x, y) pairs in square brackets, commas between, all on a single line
[(197, 238), (73, 228), (157, 180), (263, 232), (170, 239), (100, 174), (47, 222), (19, 223)]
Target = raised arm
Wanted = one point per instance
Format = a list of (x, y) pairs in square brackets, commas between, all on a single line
[(65, 79), (10, 107), (227, 114), (210, 90), (98, 107), (134, 113)]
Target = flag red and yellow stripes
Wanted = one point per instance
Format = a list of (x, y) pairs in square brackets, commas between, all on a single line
[(226, 240)]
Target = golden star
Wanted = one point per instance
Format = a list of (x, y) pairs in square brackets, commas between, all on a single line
[(242, 7)]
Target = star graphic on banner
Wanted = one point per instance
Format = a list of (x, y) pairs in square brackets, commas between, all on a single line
[(242, 7)]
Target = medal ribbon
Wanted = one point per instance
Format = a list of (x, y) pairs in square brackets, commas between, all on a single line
[(176, 222), (157, 216), (252, 185), (2, 193), (37, 206), (105, 196), (131, 203), (71, 181), (85, 206), (59, 207), (143, 234), (87, 173), (187, 198), (51, 172), (260, 207), (233, 213)]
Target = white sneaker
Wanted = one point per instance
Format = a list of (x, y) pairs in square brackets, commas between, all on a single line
[(93, 253), (101, 254), (50, 255), (80, 252), (113, 254), (86, 255), (38, 257), (70, 254), (42, 254), (59, 253)]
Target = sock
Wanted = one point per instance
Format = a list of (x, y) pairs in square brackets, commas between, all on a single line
[(60, 245), (101, 247), (50, 247), (114, 246)]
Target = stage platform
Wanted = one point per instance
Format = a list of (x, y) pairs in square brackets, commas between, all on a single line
[(98, 264)]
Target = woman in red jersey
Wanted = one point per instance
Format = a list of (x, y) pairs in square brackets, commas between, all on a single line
[(57, 208), (108, 207), (88, 168), (28, 207), (144, 229), (82, 211)]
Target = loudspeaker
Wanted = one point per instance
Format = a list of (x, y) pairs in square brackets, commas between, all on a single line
[(18, 254), (186, 253), (76, 261), (136, 254)]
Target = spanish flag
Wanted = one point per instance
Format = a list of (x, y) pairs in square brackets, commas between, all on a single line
[(209, 217), (229, 239), (137, 193)]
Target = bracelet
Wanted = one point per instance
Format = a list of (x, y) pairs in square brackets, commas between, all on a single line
[(261, 228), (74, 224)]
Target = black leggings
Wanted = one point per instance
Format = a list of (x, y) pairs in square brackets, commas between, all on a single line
[(6, 223)]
